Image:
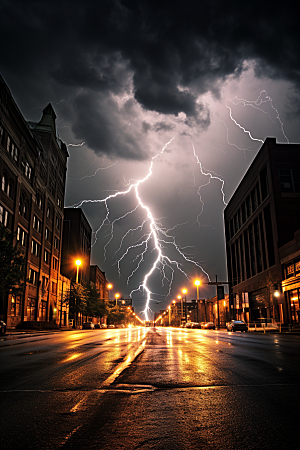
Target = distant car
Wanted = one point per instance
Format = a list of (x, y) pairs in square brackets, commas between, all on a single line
[(98, 326), (2, 327), (196, 325), (188, 325), (236, 325), (103, 325), (111, 326), (88, 326), (208, 326)]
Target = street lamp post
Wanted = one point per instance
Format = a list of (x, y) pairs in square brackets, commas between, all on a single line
[(109, 287), (184, 291), (78, 263), (181, 310), (116, 297), (169, 308), (197, 283)]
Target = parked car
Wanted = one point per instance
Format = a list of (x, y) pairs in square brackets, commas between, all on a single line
[(2, 327), (103, 325), (188, 325), (237, 325), (98, 326), (196, 325), (88, 326), (208, 326), (111, 326)]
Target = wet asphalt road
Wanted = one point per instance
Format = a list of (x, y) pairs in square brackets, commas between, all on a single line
[(142, 389)]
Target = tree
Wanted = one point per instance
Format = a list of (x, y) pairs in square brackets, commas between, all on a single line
[(77, 301), (94, 305), (85, 299), (12, 268)]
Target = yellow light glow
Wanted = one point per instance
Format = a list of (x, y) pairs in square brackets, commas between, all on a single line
[(109, 286), (197, 282), (117, 295), (78, 262), (184, 291)]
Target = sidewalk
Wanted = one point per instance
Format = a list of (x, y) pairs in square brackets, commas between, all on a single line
[(15, 334)]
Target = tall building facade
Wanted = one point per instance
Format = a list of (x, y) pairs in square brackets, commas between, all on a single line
[(33, 173), (76, 245), (261, 219), (99, 279)]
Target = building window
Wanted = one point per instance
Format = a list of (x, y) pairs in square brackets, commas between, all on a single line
[(4, 216), (37, 224), (248, 207), (55, 263), (21, 236), (1, 134), (30, 309), (44, 283), (289, 180), (15, 306), (33, 277), (26, 169), (4, 182), (48, 234), (58, 222), (290, 271), (39, 201), (23, 207), (35, 248), (269, 235), (43, 310), (264, 183), (294, 302), (47, 257), (7, 185), (54, 287), (56, 242), (49, 213)]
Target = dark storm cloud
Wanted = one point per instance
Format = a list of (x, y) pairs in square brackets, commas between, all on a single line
[(171, 52)]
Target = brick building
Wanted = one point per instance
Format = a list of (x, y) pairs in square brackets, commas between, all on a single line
[(99, 279), (262, 220), (33, 173)]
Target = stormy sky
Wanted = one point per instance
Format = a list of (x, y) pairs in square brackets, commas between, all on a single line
[(188, 90)]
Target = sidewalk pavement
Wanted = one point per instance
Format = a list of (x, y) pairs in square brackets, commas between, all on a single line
[(15, 334)]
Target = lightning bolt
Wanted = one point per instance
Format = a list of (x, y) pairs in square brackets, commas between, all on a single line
[(157, 237), (210, 177), (97, 170), (242, 128), (262, 98), (76, 145)]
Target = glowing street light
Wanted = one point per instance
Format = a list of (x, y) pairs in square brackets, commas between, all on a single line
[(181, 310), (116, 297), (78, 263), (184, 291), (109, 287), (197, 283)]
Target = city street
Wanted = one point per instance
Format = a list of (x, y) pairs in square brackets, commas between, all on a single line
[(145, 388)]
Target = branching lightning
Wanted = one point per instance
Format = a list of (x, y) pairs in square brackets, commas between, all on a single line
[(262, 98), (210, 177), (95, 173), (242, 128), (155, 236), (76, 145)]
